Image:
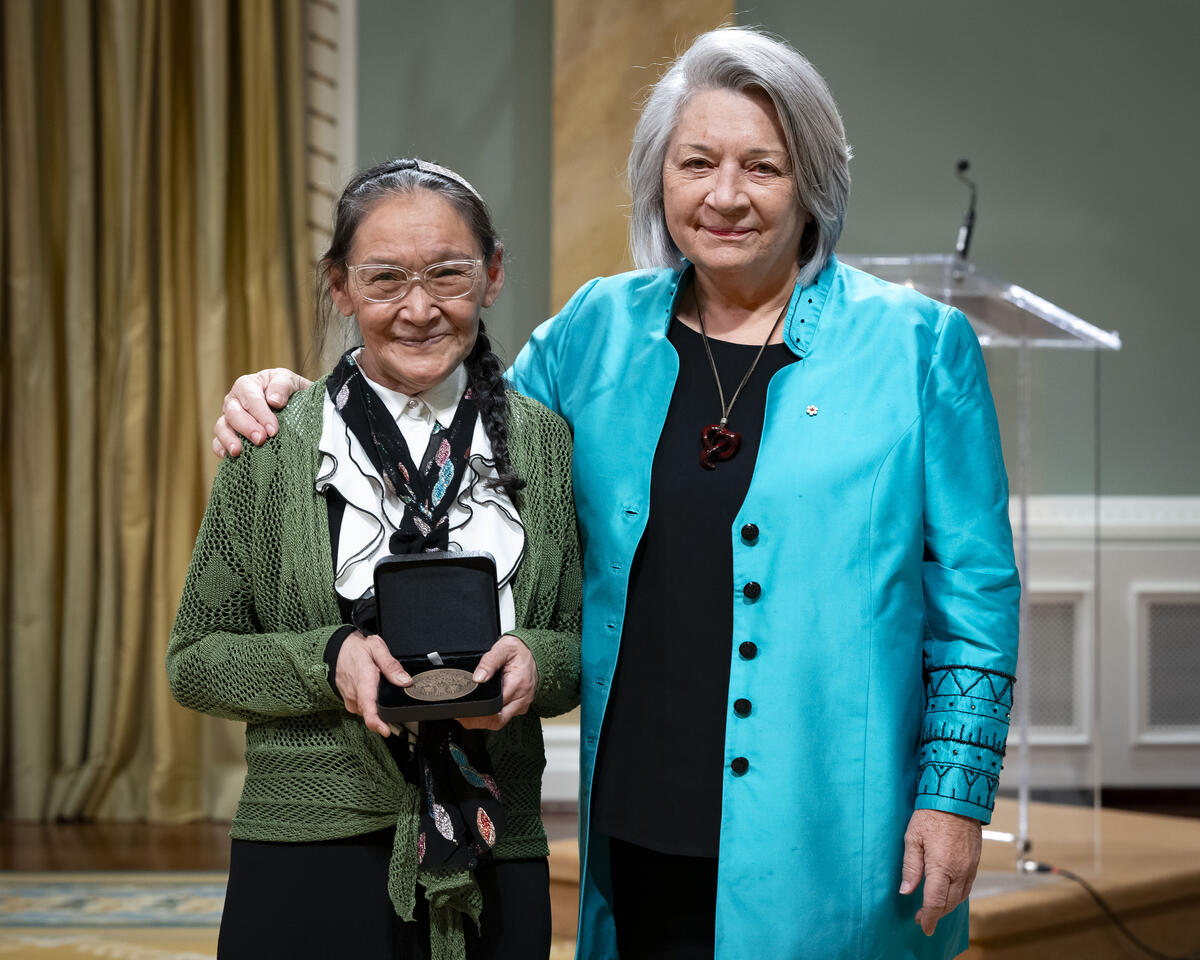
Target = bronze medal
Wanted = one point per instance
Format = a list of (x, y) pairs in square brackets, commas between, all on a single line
[(444, 683)]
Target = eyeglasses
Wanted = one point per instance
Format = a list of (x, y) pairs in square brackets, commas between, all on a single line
[(385, 282)]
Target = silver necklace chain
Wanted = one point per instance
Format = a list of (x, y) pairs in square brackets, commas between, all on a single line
[(726, 410)]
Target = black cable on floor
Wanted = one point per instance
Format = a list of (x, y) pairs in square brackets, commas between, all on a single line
[(1036, 866)]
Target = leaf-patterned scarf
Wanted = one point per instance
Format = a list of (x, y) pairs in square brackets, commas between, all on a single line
[(426, 491), (461, 816)]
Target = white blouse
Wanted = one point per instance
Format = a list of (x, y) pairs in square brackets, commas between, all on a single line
[(480, 518)]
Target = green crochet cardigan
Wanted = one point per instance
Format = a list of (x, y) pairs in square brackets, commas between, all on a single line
[(257, 611)]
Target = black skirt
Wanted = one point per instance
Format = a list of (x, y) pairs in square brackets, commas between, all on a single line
[(664, 905), (330, 899)]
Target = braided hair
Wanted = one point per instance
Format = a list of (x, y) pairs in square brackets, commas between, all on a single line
[(400, 177), (486, 374)]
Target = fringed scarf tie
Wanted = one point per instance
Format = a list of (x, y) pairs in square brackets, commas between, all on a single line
[(461, 817)]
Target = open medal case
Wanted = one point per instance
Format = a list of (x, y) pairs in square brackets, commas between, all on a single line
[(439, 613)]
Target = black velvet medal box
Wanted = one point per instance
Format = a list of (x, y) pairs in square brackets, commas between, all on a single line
[(439, 613)]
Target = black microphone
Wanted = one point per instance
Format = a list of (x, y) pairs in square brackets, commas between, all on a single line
[(963, 245)]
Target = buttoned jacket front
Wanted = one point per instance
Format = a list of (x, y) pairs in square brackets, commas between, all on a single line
[(878, 654)]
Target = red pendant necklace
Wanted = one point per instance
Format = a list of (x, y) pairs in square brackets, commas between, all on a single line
[(717, 441)]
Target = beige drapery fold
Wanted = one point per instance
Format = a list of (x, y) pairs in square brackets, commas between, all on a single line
[(152, 246)]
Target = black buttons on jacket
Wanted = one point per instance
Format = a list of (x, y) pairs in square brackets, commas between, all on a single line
[(748, 650), (750, 532), (752, 590), (739, 765), (741, 707)]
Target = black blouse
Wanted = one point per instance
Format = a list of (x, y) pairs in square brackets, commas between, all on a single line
[(659, 769)]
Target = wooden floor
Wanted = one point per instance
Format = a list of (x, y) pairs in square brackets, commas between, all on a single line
[(113, 846), (77, 851), (141, 846), (1147, 869), (205, 846), (1150, 874)]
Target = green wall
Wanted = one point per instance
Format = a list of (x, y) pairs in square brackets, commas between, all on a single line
[(469, 85), (1080, 121)]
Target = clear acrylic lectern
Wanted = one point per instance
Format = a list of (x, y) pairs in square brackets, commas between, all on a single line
[(1005, 315)]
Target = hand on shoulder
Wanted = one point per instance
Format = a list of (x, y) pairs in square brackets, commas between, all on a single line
[(247, 411)]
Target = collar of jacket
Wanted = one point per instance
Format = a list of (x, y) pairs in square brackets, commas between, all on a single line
[(804, 311)]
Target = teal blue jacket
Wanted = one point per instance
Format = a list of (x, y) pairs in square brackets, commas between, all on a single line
[(886, 629)]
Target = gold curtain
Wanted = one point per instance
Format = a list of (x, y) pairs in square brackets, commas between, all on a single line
[(152, 246)]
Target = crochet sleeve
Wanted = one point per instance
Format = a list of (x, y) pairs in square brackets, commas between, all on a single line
[(220, 660), (553, 634), (970, 583)]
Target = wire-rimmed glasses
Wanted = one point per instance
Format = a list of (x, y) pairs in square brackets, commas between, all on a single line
[(386, 282)]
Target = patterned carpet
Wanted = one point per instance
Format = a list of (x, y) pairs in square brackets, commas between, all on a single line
[(58, 900), (120, 916)]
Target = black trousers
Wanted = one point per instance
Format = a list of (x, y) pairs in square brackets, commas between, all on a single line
[(664, 905), (313, 901)]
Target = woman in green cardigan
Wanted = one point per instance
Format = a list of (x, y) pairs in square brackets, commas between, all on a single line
[(353, 836)]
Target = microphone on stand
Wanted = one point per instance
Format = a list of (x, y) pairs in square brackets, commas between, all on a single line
[(963, 244)]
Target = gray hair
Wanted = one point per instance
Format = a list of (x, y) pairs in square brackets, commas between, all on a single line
[(743, 59)]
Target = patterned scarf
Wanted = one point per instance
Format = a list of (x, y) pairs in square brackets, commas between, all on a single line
[(427, 491), (461, 814)]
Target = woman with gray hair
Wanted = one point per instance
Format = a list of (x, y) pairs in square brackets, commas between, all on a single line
[(800, 598)]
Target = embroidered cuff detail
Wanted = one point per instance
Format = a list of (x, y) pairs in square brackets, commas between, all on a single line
[(963, 735)]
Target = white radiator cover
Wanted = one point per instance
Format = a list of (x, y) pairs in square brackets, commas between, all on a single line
[(1149, 576)]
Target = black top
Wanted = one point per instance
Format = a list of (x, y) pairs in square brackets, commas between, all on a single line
[(659, 769)]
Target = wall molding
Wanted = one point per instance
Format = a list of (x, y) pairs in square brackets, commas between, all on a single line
[(560, 782), (347, 92), (1142, 595), (1148, 524), (1079, 595), (1110, 518)]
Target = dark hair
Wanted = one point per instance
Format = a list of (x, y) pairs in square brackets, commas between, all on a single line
[(400, 177)]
